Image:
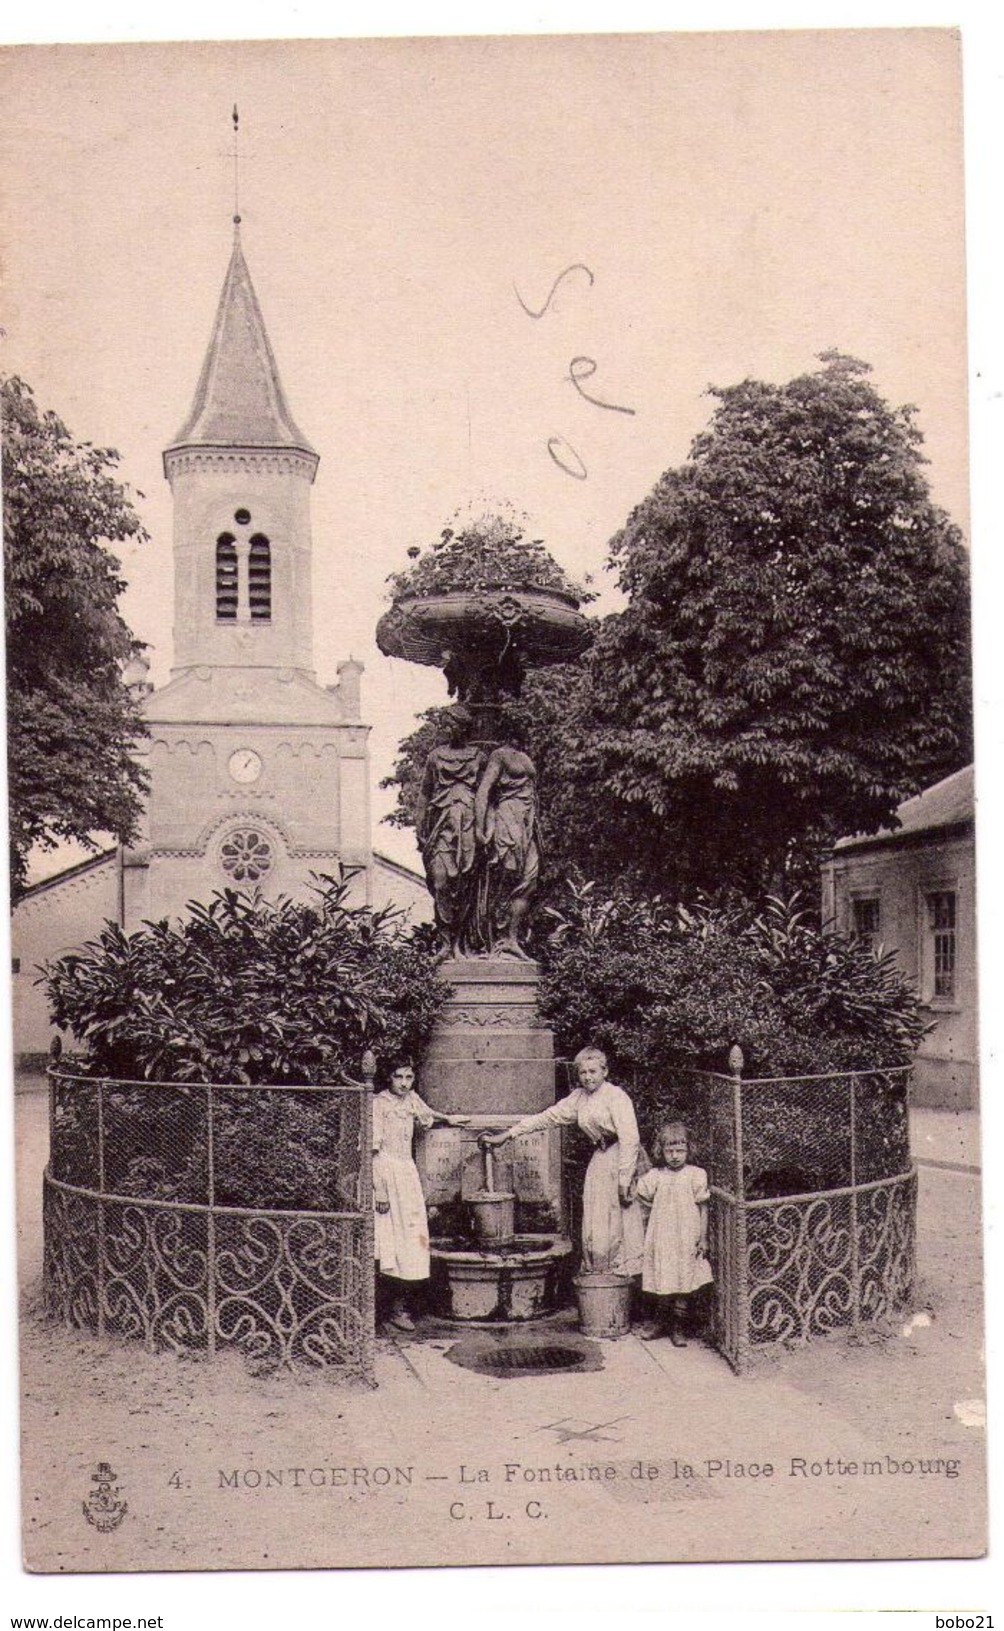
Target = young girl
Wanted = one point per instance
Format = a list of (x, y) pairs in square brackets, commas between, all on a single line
[(675, 1261), (402, 1224)]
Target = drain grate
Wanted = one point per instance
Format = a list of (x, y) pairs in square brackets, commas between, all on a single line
[(523, 1358)]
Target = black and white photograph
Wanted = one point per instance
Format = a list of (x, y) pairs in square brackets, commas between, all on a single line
[(490, 731)]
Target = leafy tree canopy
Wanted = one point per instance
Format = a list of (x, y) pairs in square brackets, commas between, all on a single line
[(71, 719), (793, 660)]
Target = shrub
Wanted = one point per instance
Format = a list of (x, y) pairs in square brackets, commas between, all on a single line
[(248, 990), (666, 988), (243, 990)]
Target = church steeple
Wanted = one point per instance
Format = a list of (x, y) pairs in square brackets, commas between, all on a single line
[(239, 400)]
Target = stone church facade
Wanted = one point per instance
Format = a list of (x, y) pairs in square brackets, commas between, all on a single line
[(259, 775)]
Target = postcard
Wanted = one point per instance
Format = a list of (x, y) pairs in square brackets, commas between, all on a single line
[(492, 805)]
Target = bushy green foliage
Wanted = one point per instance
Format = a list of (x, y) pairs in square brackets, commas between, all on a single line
[(72, 722), (249, 990), (794, 659), (666, 988), (489, 550)]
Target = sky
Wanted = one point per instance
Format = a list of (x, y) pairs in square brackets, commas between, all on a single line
[(735, 204)]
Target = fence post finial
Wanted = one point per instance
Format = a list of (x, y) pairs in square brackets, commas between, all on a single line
[(736, 1060), (368, 1065)]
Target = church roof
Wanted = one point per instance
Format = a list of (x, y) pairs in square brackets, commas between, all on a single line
[(212, 695), (239, 400), (64, 873)]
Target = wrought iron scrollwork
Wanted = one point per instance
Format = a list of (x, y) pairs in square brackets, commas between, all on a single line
[(289, 1288)]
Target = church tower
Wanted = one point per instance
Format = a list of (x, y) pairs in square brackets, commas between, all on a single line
[(240, 471), (258, 774)]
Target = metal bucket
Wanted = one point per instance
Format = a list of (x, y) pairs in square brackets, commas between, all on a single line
[(494, 1217), (604, 1304)]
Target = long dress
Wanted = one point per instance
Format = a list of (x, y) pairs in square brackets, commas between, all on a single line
[(402, 1233), (447, 836), (514, 846), (612, 1234), (671, 1266)]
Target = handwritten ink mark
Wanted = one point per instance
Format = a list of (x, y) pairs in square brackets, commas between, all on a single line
[(581, 368), (577, 266), (559, 441)]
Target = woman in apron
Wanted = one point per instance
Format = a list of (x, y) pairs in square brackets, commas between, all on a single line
[(613, 1226)]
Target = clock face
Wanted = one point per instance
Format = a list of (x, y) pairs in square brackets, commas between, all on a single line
[(244, 765)]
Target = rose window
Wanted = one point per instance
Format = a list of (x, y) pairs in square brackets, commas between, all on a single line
[(246, 855)]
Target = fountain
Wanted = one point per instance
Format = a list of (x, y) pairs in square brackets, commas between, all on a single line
[(485, 604)]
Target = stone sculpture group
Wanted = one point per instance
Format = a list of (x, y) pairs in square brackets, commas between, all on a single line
[(479, 837)]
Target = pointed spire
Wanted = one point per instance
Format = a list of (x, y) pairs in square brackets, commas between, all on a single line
[(239, 400)]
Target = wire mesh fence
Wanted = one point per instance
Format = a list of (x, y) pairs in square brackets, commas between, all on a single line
[(813, 1205), (813, 1196), (196, 1216)]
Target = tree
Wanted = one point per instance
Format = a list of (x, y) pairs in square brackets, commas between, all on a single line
[(72, 720), (793, 660)]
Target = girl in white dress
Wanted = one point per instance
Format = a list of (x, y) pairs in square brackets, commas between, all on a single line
[(612, 1221), (402, 1224), (675, 1261)]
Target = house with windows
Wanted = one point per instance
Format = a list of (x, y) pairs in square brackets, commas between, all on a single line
[(259, 774), (911, 889)]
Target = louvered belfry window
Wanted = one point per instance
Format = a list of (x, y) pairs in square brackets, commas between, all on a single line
[(260, 578), (226, 578)]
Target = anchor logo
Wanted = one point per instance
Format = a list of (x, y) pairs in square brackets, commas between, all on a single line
[(102, 1507)]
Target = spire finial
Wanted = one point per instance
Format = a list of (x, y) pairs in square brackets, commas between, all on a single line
[(237, 198)]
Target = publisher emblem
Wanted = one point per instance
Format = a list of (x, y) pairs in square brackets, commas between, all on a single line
[(102, 1507)]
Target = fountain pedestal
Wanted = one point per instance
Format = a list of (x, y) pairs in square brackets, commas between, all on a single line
[(486, 604), (491, 1058), (490, 1053)]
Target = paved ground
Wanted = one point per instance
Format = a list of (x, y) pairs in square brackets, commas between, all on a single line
[(948, 1138), (651, 1455)]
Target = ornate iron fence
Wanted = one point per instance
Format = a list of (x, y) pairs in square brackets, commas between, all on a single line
[(813, 1204), (197, 1216)]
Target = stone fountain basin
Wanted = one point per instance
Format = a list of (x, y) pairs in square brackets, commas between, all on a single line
[(422, 626), (509, 1280)]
